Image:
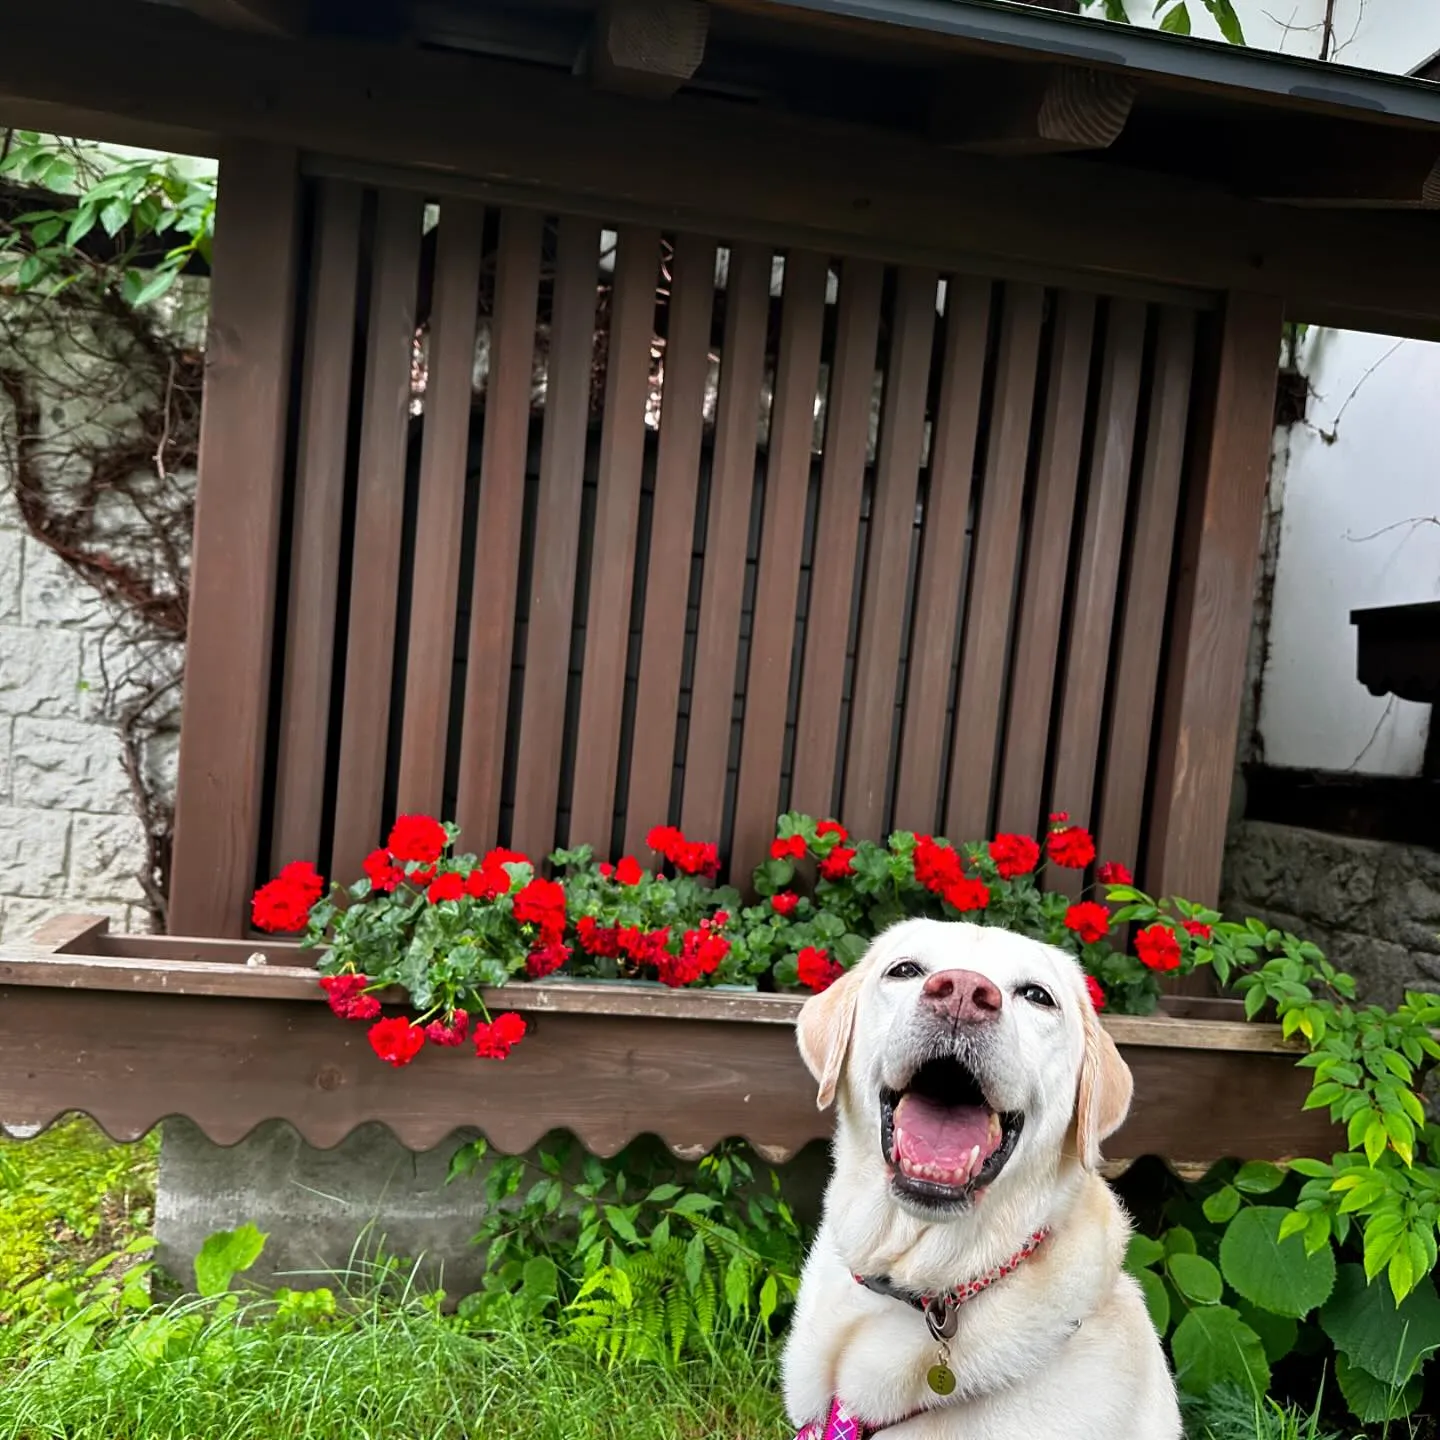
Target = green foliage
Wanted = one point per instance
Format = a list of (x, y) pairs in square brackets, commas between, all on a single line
[(1175, 19), (225, 1255), (634, 1255), (150, 208)]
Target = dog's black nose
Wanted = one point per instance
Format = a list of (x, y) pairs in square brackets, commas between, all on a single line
[(963, 995)]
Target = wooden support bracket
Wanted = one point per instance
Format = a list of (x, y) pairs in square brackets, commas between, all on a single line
[(648, 48), (1031, 110)]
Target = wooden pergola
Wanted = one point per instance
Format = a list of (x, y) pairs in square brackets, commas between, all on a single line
[(1029, 269)]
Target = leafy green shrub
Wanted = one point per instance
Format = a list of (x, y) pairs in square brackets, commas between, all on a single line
[(636, 1255)]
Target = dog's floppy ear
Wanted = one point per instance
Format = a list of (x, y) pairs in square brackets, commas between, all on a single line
[(1106, 1087), (823, 1031)]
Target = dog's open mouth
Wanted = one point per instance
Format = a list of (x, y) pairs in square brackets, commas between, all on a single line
[(942, 1136)]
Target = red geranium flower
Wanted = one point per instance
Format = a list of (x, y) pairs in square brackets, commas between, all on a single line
[(697, 857), (346, 994), (1059, 817), (597, 939), (496, 1040), (791, 848), (628, 871), (966, 894), (817, 971), (417, 837), (836, 865), (1112, 872), (701, 951), (1089, 920), (283, 904), (542, 904), (936, 866), (1014, 855), (784, 903), (396, 1041), (1097, 993), (833, 827), (1197, 929), (382, 874), (1158, 947), (449, 1032), (1071, 847), (448, 886), (546, 959), (664, 838), (486, 884)]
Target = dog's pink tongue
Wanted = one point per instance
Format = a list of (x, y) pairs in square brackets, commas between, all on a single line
[(940, 1141)]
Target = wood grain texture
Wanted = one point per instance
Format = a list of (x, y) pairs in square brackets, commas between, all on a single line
[(1092, 604), (493, 592), (940, 581), (444, 451), (887, 553), (1047, 569), (1033, 110), (672, 537), (732, 482), (379, 513), (837, 532), (782, 537), (1136, 670), (237, 539), (557, 536), (133, 1053), (1214, 598), (315, 535), (994, 551), (617, 512)]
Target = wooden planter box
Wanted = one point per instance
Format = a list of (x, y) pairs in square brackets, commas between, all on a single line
[(132, 1029)]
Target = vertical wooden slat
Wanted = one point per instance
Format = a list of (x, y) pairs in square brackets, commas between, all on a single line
[(1214, 599), (1107, 491), (672, 534), (887, 558), (995, 552), (379, 510), (557, 537), (732, 481), (1142, 623), (787, 484), (503, 455), (449, 390), (237, 525), (617, 510), (1047, 564), (940, 581), (837, 530), (315, 541)]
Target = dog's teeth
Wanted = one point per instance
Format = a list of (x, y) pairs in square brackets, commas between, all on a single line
[(974, 1164), (994, 1131)]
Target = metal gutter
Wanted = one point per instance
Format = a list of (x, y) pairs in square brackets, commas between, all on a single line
[(1236, 68)]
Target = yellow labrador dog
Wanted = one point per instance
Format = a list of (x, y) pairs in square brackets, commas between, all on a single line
[(966, 1281)]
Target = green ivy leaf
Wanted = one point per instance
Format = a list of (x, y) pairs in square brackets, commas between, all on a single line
[(1214, 1346), (1373, 1332), (1275, 1274), (1196, 1278)]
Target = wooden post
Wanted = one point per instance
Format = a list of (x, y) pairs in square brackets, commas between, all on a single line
[(1214, 603), (237, 536)]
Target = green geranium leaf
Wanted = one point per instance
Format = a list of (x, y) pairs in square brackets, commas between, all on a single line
[(1275, 1274)]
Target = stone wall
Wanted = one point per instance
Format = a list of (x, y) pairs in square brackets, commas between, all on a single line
[(70, 838), (1374, 908)]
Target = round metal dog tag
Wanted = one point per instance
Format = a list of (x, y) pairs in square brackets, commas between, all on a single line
[(941, 1379)]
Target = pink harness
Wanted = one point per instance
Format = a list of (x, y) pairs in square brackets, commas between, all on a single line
[(939, 1311)]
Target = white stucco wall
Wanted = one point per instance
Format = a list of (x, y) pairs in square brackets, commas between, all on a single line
[(1360, 526)]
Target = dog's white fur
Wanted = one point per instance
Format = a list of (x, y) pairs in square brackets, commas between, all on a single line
[(1063, 1346)]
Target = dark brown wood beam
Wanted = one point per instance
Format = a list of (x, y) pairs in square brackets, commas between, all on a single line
[(1031, 109), (510, 131), (648, 48), (265, 17)]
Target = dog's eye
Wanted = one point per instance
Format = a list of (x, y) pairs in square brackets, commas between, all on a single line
[(904, 970), (1036, 995)]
